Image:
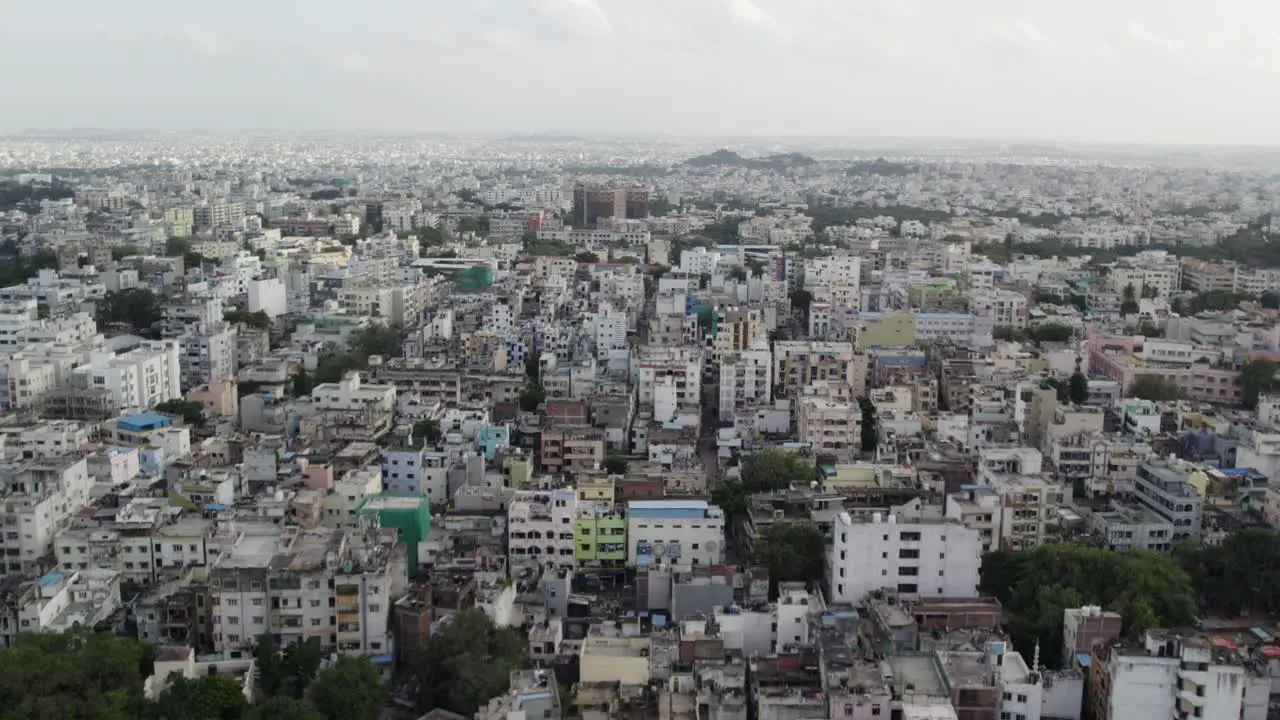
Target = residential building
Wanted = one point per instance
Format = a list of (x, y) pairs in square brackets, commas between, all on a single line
[(677, 533), (915, 560)]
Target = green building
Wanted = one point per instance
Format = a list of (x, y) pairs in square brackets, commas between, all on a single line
[(410, 515), (600, 540)]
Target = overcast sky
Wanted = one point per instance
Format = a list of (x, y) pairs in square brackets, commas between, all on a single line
[(1176, 71)]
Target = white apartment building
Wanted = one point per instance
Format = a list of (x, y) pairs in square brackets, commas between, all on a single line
[(59, 602), (590, 239), (338, 509), (208, 354), (26, 381), (829, 426), (351, 394), (217, 214), (1005, 307), (1171, 676), (334, 585), (37, 499), (540, 526), (140, 378), (677, 533), (1029, 506), (746, 381), (140, 542), (416, 472), (347, 224), (268, 295), (913, 559), (681, 366), (609, 328), (959, 328), (836, 280), (44, 438)]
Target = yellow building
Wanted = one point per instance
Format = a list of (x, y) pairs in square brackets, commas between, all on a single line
[(897, 329)]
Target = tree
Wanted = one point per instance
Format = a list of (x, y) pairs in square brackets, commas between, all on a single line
[(326, 194), (429, 237), (266, 658), (1155, 388), (793, 552), (587, 257), (121, 252), (870, 431), (177, 246), (349, 690), (1256, 377), (303, 384), (738, 273), (1053, 332), (1270, 300), (192, 412), (731, 497), (616, 465), (1217, 300), (1006, 333), (428, 431), (800, 300), (259, 319), (136, 307), (1241, 575), (1151, 331), (474, 224), (76, 674), (770, 469), (1149, 589), (1177, 307), (377, 339), (1128, 305), (284, 708), (467, 662), (531, 396), (1078, 388), (299, 664), (211, 697)]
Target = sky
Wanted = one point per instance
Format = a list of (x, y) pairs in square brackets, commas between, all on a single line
[(1141, 71)]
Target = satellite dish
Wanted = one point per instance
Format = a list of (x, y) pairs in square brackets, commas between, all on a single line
[(659, 549)]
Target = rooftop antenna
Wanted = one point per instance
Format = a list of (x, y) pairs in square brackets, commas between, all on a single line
[(1035, 657)]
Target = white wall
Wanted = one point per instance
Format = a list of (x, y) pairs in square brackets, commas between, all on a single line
[(866, 556)]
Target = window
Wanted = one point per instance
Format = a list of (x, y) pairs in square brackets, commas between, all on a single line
[(375, 608), (257, 620), (315, 603), (908, 554), (315, 622), (257, 602), (1022, 698)]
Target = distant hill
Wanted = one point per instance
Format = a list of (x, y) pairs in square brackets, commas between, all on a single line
[(729, 158)]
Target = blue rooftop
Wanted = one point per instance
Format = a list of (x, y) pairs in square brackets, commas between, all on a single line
[(144, 421), (51, 579)]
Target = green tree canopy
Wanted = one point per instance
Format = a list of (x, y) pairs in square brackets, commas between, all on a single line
[(192, 412), (531, 396), (1241, 575), (1155, 387), (771, 469), (427, 431), (793, 552), (259, 319), (1149, 589), (79, 674), (349, 690), (211, 697), (1078, 388), (120, 252), (870, 430), (136, 307), (177, 246), (467, 662), (1257, 376), (1052, 332), (616, 465), (284, 708), (303, 384), (587, 257)]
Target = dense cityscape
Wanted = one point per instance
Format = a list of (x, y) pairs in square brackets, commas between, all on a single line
[(543, 427)]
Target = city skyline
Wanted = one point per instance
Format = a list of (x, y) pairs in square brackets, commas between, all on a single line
[(993, 70)]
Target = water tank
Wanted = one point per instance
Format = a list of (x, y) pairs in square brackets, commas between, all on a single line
[(893, 519), (875, 518)]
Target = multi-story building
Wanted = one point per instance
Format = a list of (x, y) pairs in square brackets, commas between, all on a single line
[(592, 202), (835, 280), (541, 528), (208, 354), (568, 450), (217, 214), (1005, 307), (38, 498), (139, 378), (678, 533), (1167, 675), (1165, 488), (600, 536), (331, 584), (798, 363), (735, 329), (416, 471), (681, 366), (746, 380), (58, 602), (1029, 509), (916, 560), (830, 427)]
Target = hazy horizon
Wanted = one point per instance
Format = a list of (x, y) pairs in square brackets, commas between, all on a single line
[(1142, 72)]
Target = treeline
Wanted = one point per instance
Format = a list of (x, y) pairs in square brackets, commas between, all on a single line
[(98, 676), (15, 196), (1241, 576)]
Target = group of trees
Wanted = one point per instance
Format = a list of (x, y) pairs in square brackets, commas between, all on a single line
[(259, 319), (467, 662), (1241, 575), (793, 552), (764, 471), (192, 413), (1074, 390), (15, 270), (1257, 376), (531, 245), (531, 396), (138, 308), (1149, 589), (370, 340), (98, 676), (27, 196), (1156, 388)]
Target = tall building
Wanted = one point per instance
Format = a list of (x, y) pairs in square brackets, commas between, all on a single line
[(592, 202), (914, 559)]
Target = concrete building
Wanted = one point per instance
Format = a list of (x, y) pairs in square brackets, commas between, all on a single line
[(139, 378), (326, 583), (679, 533), (38, 498), (746, 381), (1085, 627), (913, 559), (1165, 488), (830, 427), (541, 527)]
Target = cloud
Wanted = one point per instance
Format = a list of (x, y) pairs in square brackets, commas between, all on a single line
[(584, 17), (350, 61), (746, 13), (1152, 39), (205, 43), (502, 38)]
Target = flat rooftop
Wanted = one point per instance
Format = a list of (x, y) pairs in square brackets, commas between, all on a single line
[(920, 671)]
